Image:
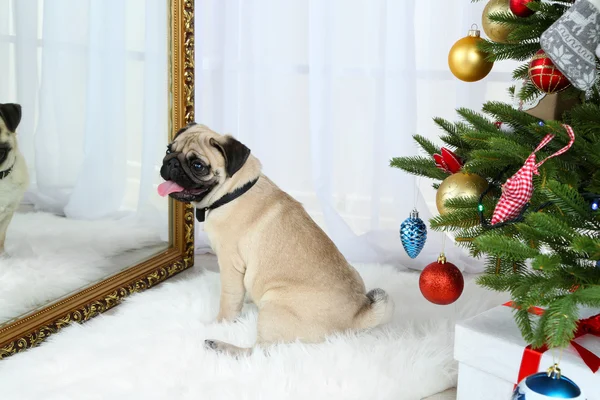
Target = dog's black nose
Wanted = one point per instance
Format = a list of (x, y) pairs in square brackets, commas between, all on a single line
[(173, 163), (170, 169)]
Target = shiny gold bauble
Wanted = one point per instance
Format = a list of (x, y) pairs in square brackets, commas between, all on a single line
[(459, 185), (495, 30), (466, 61)]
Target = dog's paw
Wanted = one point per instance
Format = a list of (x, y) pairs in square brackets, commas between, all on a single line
[(226, 348), (211, 345), (218, 346)]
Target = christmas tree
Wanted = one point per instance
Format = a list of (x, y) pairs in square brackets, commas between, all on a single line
[(543, 247)]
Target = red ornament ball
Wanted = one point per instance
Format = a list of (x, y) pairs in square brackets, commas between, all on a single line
[(544, 74), (441, 282), (520, 9)]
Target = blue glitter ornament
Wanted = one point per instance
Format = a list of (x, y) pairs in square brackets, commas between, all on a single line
[(413, 233), (547, 385)]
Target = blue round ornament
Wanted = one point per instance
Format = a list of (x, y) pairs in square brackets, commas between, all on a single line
[(547, 385), (413, 233)]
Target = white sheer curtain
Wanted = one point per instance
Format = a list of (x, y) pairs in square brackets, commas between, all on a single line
[(92, 77), (326, 92)]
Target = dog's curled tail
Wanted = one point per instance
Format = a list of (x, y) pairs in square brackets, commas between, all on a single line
[(377, 311)]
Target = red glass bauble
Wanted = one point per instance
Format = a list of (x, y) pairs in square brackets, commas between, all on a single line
[(544, 74), (441, 282), (520, 9)]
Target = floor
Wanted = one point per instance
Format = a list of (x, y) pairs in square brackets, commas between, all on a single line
[(209, 262)]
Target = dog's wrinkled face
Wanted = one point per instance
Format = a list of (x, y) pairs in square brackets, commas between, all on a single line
[(10, 116), (198, 161)]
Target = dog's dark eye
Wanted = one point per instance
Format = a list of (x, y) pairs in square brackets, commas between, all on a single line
[(197, 165), (169, 149)]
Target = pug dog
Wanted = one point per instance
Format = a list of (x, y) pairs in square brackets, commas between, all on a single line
[(14, 178), (267, 246)]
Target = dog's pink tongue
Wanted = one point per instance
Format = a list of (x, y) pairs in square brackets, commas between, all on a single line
[(169, 187)]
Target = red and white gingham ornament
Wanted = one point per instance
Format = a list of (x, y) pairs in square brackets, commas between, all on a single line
[(517, 190)]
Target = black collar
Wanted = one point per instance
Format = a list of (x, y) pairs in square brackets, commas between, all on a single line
[(6, 172), (201, 212)]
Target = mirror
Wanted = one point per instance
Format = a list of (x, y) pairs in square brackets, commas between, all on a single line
[(90, 93)]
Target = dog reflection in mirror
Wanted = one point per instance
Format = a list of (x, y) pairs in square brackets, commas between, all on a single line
[(13, 170), (267, 246)]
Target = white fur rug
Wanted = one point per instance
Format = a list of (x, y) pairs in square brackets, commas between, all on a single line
[(48, 257), (151, 347)]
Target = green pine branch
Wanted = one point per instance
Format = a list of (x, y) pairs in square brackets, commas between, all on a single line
[(508, 114), (546, 262), (477, 120), (550, 12), (550, 226), (510, 19), (467, 202), (508, 51), (588, 246), (455, 220), (427, 145), (526, 33), (419, 166), (528, 92), (558, 323), (446, 125), (489, 162), (510, 145), (588, 297), (525, 322), (569, 202), (505, 247), (521, 72)]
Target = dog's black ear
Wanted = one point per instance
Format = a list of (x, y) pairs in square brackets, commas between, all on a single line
[(234, 152), (185, 128), (11, 115)]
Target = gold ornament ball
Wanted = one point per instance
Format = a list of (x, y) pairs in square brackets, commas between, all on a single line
[(466, 61), (459, 185), (495, 30)]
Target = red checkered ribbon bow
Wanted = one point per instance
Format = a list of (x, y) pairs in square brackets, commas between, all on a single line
[(517, 190)]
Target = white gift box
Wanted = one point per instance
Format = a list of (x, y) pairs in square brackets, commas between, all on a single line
[(489, 349)]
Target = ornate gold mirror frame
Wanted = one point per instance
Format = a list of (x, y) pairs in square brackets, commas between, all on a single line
[(31, 330)]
